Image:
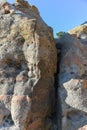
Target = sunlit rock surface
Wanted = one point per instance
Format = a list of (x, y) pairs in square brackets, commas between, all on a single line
[(28, 60)]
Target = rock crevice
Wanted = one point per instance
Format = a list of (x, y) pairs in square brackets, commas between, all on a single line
[(41, 87)]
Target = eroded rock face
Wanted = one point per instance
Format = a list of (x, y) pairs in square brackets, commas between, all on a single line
[(73, 82), (27, 67), (80, 32)]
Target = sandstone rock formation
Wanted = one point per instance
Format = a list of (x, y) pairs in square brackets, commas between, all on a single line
[(27, 67), (80, 31), (28, 63), (73, 82)]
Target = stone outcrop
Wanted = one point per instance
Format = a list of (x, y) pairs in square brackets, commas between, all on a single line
[(28, 60), (80, 32), (29, 97), (72, 81)]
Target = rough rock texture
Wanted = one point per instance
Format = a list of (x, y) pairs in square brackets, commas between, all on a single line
[(73, 82), (27, 67), (80, 32)]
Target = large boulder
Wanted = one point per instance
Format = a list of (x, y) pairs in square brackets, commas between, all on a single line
[(28, 59), (73, 82)]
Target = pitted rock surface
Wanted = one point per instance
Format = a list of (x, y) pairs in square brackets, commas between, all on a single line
[(73, 82), (28, 59)]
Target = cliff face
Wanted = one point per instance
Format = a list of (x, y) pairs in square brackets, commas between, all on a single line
[(28, 59), (72, 79), (37, 92)]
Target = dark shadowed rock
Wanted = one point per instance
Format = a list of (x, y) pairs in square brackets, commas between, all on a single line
[(73, 82)]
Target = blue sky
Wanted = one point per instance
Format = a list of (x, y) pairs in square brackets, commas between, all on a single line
[(61, 15)]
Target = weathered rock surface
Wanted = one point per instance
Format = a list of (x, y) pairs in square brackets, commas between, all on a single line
[(73, 82), (27, 67), (80, 32)]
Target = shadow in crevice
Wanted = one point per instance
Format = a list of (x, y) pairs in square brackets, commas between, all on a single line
[(58, 111), (7, 121)]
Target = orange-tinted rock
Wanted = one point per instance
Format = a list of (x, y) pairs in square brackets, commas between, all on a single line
[(28, 58), (79, 32)]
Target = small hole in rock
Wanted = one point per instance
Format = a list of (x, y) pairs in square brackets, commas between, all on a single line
[(71, 72), (48, 45), (85, 64)]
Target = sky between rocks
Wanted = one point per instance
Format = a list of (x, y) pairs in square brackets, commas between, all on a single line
[(62, 15)]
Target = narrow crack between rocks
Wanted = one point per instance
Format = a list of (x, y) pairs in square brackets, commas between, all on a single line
[(57, 97)]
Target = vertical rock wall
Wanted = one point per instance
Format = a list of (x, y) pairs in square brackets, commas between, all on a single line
[(73, 82), (28, 59), (28, 63)]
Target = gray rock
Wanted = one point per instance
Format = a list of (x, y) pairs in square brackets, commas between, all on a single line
[(73, 83), (28, 59)]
